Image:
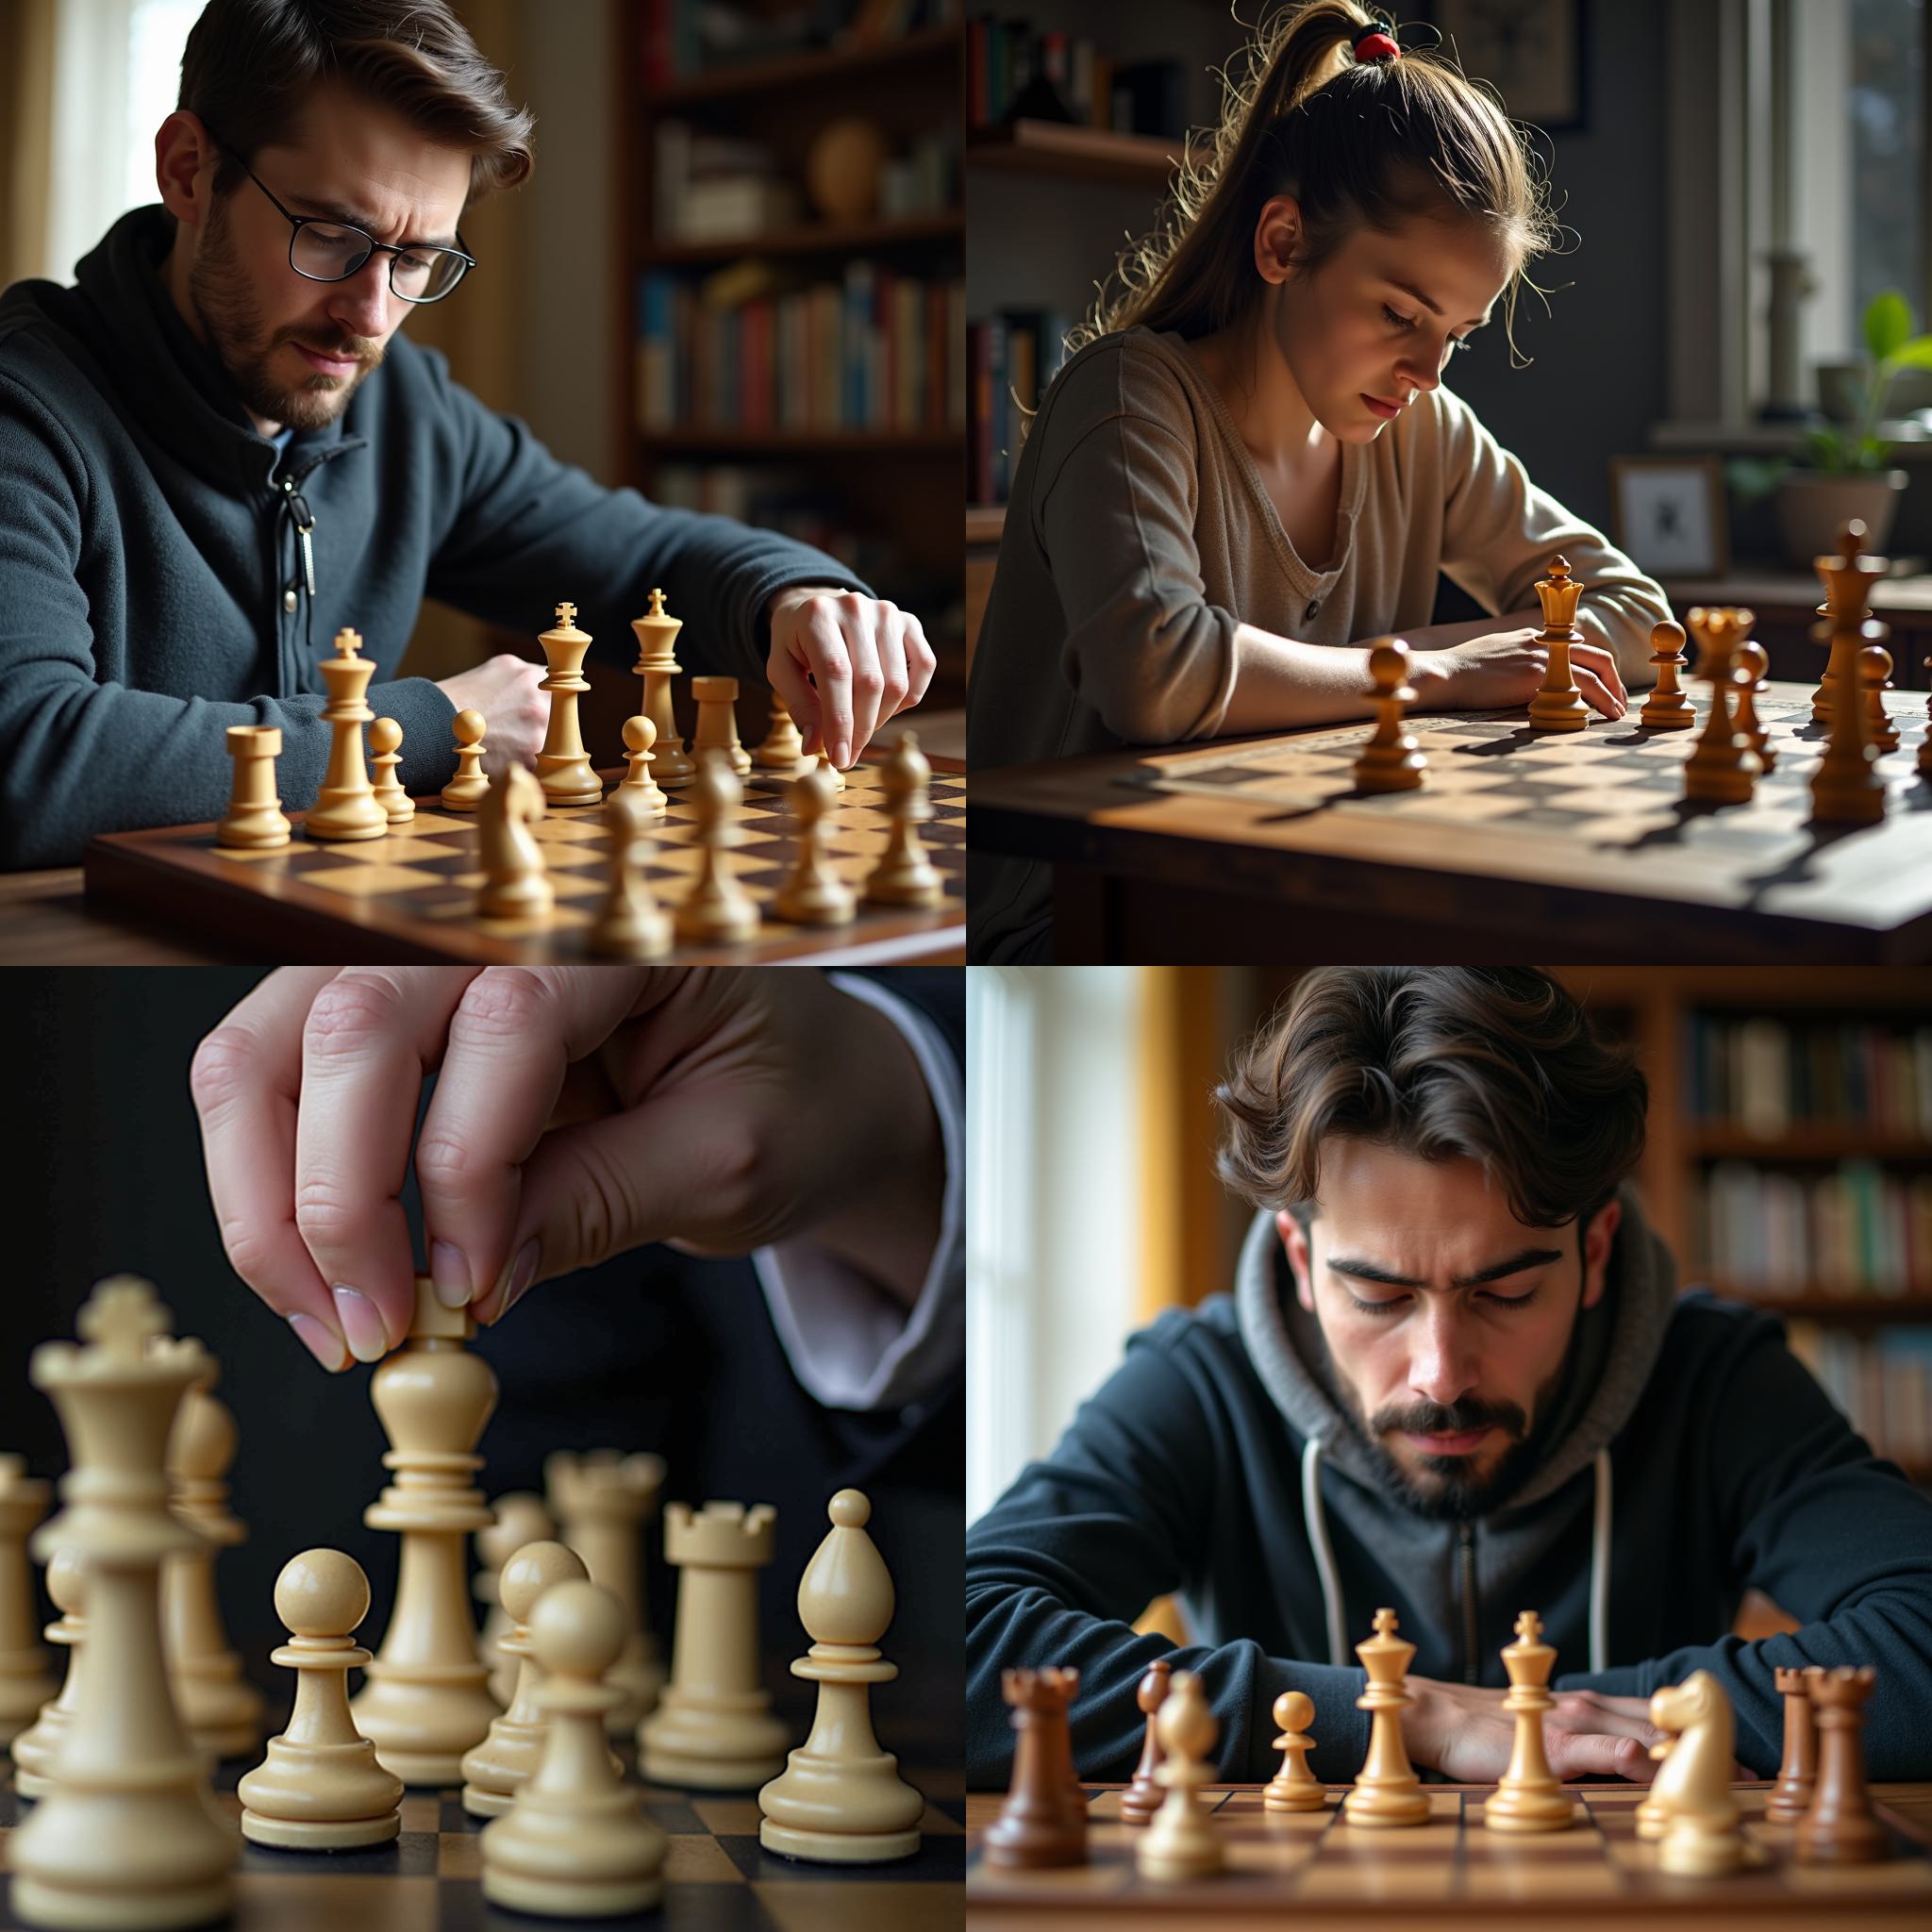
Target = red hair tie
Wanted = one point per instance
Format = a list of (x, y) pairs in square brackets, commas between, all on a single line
[(1372, 43)]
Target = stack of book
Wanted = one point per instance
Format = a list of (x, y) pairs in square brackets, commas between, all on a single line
[(1859, 1230)]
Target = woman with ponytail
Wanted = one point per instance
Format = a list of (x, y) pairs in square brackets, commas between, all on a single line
[(1249, 467)]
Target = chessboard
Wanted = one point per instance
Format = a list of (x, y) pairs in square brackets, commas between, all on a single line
[(409, 896), (1583, 839), (717, 1876), (1312, 1869)]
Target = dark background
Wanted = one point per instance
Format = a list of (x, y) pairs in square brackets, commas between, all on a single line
[(651, 1350)]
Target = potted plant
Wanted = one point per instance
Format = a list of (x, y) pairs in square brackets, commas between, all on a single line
[(1844, 472)]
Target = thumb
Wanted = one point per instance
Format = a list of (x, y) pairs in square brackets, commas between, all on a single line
[(679, 1166)]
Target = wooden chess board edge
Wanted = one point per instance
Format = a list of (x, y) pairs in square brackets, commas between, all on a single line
[(143, 871)]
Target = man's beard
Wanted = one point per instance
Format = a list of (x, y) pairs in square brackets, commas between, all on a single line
[(233, 320), (1458, 1491)]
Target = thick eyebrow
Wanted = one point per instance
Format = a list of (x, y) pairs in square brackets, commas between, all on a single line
[(1529, 1257), (1434, 308), (328, 211)]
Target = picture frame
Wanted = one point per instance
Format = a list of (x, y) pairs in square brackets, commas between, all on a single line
[(1668, 514), (1531, 52)]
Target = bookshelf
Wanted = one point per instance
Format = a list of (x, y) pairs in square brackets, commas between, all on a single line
[(1788, 1162), (787, 367)]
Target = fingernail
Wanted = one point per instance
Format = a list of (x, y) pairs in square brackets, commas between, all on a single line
[(520, 1276), (323, 1343), (842, 753), (361, 1323), (450, 1274)]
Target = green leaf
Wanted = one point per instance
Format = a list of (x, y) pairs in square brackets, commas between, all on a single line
[(1916, 353), (1825, 449), (1752, 477), (1870, 454), (1888, 325)]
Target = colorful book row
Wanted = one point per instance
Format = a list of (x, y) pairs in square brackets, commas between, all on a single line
[(1859, 1230), (1768, 1076)]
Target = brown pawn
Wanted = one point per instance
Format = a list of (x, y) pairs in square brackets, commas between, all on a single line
[(1390, 760), (1294, 1787), (1143, 1798), (1797, 1776), (1875, 676), (1839, 1828), (1668, 707), (1040, 1825), (1753, 667)]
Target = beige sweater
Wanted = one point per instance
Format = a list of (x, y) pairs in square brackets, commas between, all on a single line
[(1138, 538)]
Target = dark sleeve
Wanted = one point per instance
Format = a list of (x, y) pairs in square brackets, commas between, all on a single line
[(1836, 1538), (528, 531), (80, 755), (1059, 1567)]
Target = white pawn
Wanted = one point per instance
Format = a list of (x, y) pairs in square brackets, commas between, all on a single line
[(34, 1750), (904, 876), (469, 787), (814, 893), (840, 1800), (640, 737), (520, 1518), (386, 741), (320, 1788), (1180, 1843), (494, 1769), (717, 907), (576, 1842)]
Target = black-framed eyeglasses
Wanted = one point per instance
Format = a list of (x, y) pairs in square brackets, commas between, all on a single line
[(327, 251)]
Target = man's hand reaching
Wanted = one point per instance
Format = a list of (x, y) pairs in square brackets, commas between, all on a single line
[(578, 1113)]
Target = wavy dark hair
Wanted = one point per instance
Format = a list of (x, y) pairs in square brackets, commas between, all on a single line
[(1369, 142), (249, 65), (1498, 1065)]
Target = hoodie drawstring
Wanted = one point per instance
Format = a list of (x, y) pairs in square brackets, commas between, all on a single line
[(1317, 1523)]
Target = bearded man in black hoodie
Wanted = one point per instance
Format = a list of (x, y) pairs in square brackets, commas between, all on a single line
[(1454, 1376), (220, 448)]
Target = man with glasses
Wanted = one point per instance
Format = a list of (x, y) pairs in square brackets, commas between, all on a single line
[(218, 449)]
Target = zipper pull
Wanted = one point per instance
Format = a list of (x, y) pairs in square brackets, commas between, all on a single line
[(305, 525)]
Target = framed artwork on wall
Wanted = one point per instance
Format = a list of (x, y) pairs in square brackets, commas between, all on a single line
[(1667, 514), (1530, 51)]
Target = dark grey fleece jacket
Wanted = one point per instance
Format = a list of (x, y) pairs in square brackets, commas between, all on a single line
[(148, 544), (1688, 1455)]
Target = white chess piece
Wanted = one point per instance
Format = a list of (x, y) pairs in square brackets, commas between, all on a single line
[(841, 1799)]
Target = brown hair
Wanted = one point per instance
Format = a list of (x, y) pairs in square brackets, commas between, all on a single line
[(249, 64), (1494, 1064), (1356, 142)]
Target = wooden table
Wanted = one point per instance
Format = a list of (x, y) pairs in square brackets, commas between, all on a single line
[(1522, 845), (1310, 1871)]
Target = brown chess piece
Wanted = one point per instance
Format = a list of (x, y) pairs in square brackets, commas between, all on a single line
[(1142, 1797), (1558, 706), (1847, 788), (1839, 1828), (1925, 759), (1797, 1776), (1668, 707), (1390, 760), (1754, 668), (1722, 769), (1039, 1825), (1875, 674)]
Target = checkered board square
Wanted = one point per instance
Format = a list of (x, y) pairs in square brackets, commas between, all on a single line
[(717, 1876), (412, 894), (1302, 1868), (1605, 803)]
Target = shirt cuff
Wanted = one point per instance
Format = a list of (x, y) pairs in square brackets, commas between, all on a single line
[(850, 1343)]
